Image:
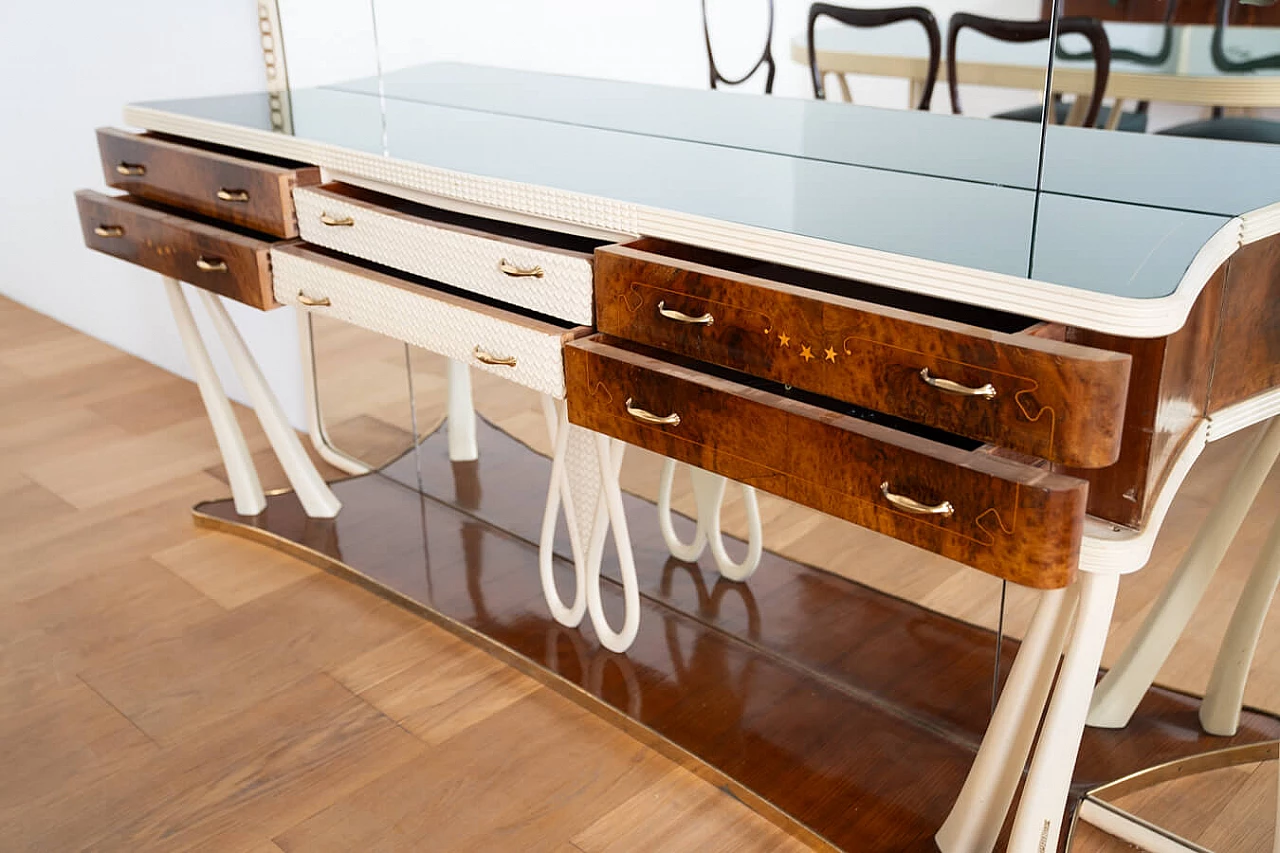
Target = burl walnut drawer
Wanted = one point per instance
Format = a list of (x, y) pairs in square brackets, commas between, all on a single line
[(970, 371), (232, 264), (252, 193), (943, 493), (539, 270), (525, 350)]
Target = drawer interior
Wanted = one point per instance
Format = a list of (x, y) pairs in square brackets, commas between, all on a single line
[(339, 258), (972, 315), (225, 150), (829, 404), (464, 221)]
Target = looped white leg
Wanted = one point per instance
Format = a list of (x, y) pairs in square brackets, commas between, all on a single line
[(1220, 710), (974, 824), (1044, 795), (1122, 688), (317, 499), (708, 495), (246, 490), (559, 494), (316, 427), (610, 513)]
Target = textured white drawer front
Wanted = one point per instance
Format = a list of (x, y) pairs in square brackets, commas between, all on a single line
[(459, 257), (440, 322)]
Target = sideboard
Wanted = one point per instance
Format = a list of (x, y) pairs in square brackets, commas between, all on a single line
[(917, 383)]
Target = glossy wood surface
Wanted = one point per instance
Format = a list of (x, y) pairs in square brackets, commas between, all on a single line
[(1052, 399), (1248, 350), (238, 266), (256, 195), (1154, 11), (1011, 520), (847, 715)]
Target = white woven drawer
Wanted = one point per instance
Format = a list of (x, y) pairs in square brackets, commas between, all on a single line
[(446, 251), (450, 325)]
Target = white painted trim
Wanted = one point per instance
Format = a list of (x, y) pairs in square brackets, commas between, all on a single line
[(558, 208), (1109, 549), (1238, 416)]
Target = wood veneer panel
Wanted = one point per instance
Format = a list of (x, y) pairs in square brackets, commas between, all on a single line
[(1011, 520), (1168, 395), (1053, 400), (1248, 353), (162, 241), (258, 195), (855, 760)]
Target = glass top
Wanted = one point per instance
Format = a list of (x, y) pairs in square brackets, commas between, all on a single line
[(935, 186)]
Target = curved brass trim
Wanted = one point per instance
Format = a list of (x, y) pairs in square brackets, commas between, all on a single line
[(312, 301), (488, 358), (133, 170), (648, 417), (681, 317), (233, 195), (337, 221), (109, 230), (211, 264), (520, 272), (946, 385), (913, 506)]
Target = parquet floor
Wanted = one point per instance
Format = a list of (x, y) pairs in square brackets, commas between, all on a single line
[(166, 688)]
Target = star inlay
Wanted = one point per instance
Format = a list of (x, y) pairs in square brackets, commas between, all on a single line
[(831, 355), (806, 353), (784, 340)]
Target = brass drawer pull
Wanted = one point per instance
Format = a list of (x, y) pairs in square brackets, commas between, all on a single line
[(210, 264), (681, 317), (312, 302), (344, 221), (945, 508), (233, 195), (489, 358), (985, 391), (520, 272), (672, 419), (109, 230), (131, 169)]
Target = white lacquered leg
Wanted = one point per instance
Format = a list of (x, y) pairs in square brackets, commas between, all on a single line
[(316, 498), (461, 423), (1220, 710), (315, 415), (708, 494), (1044, 796), (611, 514), (246, 490), (974, 823), (559, 494), (1123, 687)]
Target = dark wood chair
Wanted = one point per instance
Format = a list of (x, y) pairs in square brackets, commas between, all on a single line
[(765, 60), (1025, 31), (878, 18)]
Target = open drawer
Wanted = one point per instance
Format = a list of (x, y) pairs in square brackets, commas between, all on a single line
[(212, 257), (946, 494), (983, 374), (542, 271), (526, 350), (249, 190)]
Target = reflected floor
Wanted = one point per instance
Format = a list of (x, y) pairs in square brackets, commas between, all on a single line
[(847, 715)]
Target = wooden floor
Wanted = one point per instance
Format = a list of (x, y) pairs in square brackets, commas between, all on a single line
[(165, 688)]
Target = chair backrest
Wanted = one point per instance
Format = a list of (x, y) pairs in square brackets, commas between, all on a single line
[(1024, 31), (854, 17), (1218, 50), (766, 56)]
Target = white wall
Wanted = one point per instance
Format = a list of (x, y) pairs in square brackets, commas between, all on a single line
[(69, 67)]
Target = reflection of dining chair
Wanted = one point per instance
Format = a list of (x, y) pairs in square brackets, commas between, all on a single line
[(766, 57), (1232, 128), (876, 18), (1025, 31)]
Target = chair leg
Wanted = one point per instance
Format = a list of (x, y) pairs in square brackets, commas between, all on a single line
[(611, 514), (1044, 795), (246, 490), (974, 824), (461, 423), (1220, 710), (317, 499), (559, 494), (315, 415), (1120, 691)]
